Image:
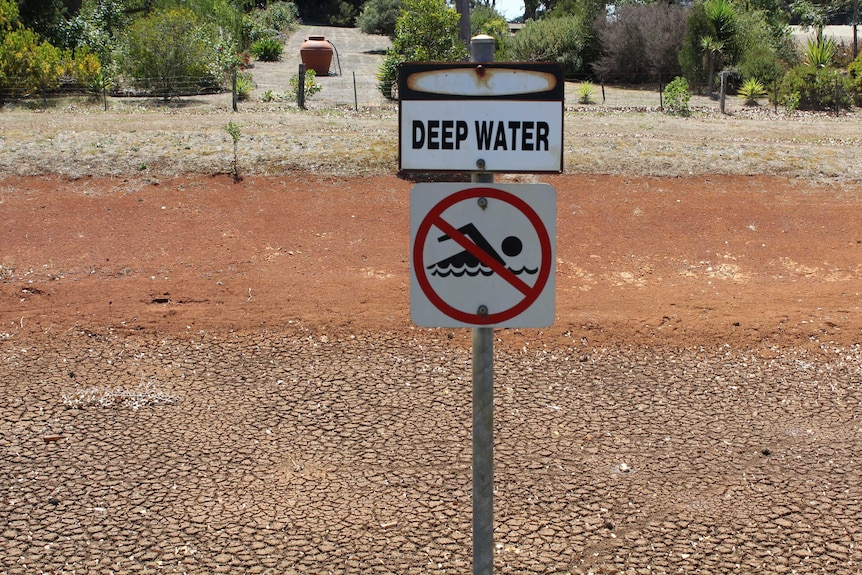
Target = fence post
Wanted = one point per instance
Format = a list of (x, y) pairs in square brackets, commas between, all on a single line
[(233, 90), (660, 95), (355, 97), (775, 94), (300, 90)]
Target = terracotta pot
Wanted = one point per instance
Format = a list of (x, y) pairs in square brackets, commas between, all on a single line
[(316, 54)]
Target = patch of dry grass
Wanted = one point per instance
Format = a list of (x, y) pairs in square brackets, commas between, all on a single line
[(140, 137)]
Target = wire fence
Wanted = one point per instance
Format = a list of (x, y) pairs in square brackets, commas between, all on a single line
[(167, 87)]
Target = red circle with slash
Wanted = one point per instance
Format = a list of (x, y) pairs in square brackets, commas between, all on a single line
[(434, 218)]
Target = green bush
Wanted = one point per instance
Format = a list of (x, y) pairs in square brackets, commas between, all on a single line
[(816, 88), (387, 75), (96, 28), (762, 64), (426, 30), (766, 50), (278, 16), (172, 50), (28, 65), (676, 97), (311, 87), (855, 74), (567, 40), (9, 17), (379, 16), (751, 90), (585, 92), (244, 86), (267, 50), (269, 22)]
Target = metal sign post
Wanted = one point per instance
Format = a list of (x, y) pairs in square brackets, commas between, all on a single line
[(482, 50), (482, 255)]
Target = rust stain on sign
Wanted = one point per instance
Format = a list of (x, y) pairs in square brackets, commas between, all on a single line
[(482, 81)]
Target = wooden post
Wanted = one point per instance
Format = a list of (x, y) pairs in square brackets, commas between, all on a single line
[(233, 91)]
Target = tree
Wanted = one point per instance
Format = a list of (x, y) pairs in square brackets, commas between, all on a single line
[(568, 40), (426, 30), (711, 31), (640, 43), (335, 12), (486, 20), (713, 49), (379, 16), (45, 17)]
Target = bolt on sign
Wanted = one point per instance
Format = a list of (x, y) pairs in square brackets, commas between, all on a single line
[(485, 117)]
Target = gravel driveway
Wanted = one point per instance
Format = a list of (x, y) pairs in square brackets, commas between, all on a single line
[(358, 59)]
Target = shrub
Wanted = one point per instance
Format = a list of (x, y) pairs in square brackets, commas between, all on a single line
[(765, 50), (751, 90), (820, 50), (677, 96), (855, 74), (267, 50), (387, 75), (425, 31), (585, 93), (279, 16), (27, 64), (244, 86), (9, 16), (312, 86), (565, 40), (269, 22), (379, 16), (816, 88), (82, 65), (171, 48), (99, 84), (763, 64), (95, 28)]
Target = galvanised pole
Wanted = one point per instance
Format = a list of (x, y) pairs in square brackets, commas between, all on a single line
[(482, 50)]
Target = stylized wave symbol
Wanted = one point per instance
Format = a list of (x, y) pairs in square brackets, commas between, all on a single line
[(460, 271), (473, 271), (524, 270)]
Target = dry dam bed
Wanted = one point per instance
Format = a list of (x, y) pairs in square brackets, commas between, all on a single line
[(302, 452)]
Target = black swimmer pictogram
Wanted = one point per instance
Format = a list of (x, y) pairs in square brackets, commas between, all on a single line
[(466, 263)]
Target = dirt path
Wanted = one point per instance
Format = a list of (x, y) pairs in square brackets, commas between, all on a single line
[(358, 57)]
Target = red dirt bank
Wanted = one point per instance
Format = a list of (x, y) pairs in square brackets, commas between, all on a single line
[(745, 261)]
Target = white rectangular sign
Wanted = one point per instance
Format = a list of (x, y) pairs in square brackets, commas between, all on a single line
[(482, 255), (481, 117), (470, 135)]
